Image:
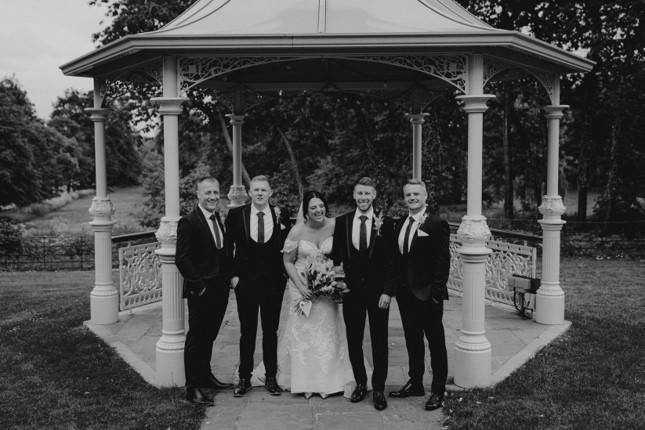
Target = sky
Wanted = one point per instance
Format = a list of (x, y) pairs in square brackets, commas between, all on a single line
[(37, 37)]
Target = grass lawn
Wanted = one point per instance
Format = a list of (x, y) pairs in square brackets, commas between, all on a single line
[(74, 216), (591, 378), (55, 374)]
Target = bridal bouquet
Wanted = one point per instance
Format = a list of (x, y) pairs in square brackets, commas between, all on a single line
[(324, 280)]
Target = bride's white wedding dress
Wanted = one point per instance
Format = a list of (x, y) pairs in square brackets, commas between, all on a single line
[(312, 350)]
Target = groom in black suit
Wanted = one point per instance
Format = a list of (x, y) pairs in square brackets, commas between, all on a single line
[(257, 236), (204, 260), (363, 243), (421, 269)]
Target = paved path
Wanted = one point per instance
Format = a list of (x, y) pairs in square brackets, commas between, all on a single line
[(514, 340)]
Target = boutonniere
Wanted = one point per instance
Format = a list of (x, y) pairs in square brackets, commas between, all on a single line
[(378, 223)]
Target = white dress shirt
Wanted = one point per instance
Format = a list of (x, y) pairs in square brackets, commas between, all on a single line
[(207, 215), (268, 223), (356, 227), (415, 226)]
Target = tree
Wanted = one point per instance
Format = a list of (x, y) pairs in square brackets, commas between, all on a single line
[(35, 161), (123, 161)]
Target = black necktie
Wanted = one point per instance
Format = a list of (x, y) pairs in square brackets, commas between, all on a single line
[(260, 227), (362, 238), (218, 238), (406, 239)]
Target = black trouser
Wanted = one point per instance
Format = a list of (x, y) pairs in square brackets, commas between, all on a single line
[(355, 306), (248, 304), (205, 315), (419, 318)]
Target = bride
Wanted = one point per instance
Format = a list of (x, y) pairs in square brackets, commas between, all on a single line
[(312, 350)]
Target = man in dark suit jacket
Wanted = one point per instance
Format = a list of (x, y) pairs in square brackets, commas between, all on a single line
[(363, 243), (257, 236), (204, 260), (421, 268)]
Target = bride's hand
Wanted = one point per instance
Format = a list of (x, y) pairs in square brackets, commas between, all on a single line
[(306, 293)]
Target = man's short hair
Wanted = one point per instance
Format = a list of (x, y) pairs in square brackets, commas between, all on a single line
[(204, 179), (366, 181), (414, 181), (260, 178)]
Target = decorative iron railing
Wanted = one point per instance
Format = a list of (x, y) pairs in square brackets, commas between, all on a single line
[(139, 275), (505, 260)]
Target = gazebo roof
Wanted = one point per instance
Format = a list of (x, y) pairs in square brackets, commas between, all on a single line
[(318, 30)]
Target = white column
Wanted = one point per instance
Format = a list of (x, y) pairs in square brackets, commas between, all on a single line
[(549, 304), (417, 121), (170, 347), (237, 193), (472, 349), (104, 298)]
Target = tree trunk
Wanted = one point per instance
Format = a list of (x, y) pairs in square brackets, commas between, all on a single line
[(610, 188), (294, 162), (508, 174)]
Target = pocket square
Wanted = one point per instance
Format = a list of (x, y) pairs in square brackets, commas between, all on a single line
[(422, 233), (282, 227)]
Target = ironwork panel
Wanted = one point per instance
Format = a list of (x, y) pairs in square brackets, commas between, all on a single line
[(505, 260), (140, 275)]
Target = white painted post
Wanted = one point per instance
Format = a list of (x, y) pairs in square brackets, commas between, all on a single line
[(237, 193), (472, 349), (417, 121), (104, 298), (549, 303), (170, 347)]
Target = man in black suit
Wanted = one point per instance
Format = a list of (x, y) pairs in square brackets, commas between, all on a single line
[(204, 260), (421, 269), (257, 236), (363, 243)]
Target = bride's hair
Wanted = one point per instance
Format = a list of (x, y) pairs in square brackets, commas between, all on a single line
[(312, 194)]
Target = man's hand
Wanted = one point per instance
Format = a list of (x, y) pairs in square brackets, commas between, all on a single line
[(234, 281), (384, 301)]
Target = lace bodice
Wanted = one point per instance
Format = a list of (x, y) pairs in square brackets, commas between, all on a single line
[(308, 248)]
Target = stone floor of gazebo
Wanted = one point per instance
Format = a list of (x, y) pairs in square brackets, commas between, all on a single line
[(514, 340)]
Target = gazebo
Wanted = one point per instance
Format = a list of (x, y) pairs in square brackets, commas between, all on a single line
[(407, 47)]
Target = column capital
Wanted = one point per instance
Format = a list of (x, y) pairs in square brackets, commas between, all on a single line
[(417, 118), (101, 210), (169, 105), (235, 119), (552, 208), (475, 103), (237, 196), (167, 236), (555, 111), (97, 114), (473, 232)]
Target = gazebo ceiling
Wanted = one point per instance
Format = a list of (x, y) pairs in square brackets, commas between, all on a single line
[(298, 41)]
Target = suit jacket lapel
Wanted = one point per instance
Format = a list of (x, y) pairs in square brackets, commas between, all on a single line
[(373, 234), (349, 223), (246, 221), (203, 225), (416, 234)]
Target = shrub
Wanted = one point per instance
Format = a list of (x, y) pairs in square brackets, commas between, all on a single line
[(10, 237)]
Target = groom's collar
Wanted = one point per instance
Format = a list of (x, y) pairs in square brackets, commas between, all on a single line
[(369, 213)]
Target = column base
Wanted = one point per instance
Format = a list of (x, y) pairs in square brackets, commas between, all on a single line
[(549, 308), (170, 361), (104, 306), (472, 363)]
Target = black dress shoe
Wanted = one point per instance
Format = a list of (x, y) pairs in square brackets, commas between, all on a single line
[(434, 402), (272, 386), (243, 387), (198, 396), (213, 382), (359, 393), (409, 389), (379, 400)]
